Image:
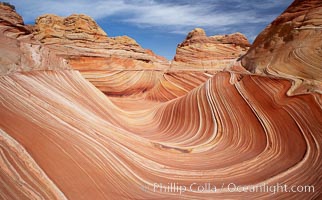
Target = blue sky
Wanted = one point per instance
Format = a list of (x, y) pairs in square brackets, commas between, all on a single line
[(162, 24)]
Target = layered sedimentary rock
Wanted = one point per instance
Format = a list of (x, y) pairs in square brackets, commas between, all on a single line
[(74, 42), (291, 47), (15, 162), (103, 118), (217, 52), (52, 28), (82, 45), (222, 132), (11, 27)]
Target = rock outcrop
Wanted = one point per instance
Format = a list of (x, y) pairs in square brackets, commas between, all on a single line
[(52, 28), (291, 47), (84, 46), (86, 116), (11, 27), (209, 53), (74, 42)]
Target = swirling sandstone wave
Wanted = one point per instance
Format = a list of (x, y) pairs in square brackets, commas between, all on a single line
[(82, 119), (21, 177), (221, 132)]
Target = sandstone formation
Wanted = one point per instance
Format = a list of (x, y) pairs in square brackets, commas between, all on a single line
[(87, 116), (222, 132), (291, 47), (51, 28), (74, 42), (11, 27), (217, 52), (82, 45)]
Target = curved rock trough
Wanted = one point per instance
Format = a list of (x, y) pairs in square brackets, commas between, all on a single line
[(87, 116)]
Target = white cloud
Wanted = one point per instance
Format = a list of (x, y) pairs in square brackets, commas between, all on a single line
[(144, 12), (177, 17), (96, 9)]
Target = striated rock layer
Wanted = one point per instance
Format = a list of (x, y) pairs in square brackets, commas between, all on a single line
[(82, 45), (217, 52), (86, 116), (291, 47), (74, 42), (225, 131)]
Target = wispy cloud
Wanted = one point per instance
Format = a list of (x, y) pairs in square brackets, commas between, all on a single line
[(96, 9), (173, 14)]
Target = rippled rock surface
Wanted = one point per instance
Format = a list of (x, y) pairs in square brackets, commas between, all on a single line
[(216, 52), (107, 119), (291, 47)]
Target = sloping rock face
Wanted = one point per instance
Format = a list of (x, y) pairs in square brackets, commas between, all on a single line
[(91, 147), (155, 132), (82, 45), (209, 53), (81, 37), (11, 27), (291, 47), (74, 42)]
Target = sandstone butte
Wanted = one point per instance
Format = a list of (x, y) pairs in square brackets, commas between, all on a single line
[(87, 116)]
